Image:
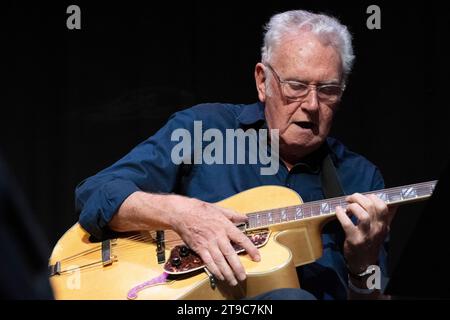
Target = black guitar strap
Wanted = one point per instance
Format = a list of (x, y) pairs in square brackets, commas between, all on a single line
[(332, 188), (331, 185)]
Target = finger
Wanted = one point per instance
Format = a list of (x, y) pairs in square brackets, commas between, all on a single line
[(222, 264), (210, 264), (365, 202), (345, 221), (234, 216), (232, 258), (361, 214), (242, 240), (380, 206)]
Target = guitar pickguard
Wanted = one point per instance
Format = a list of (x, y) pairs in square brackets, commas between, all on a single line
[(183, 260)]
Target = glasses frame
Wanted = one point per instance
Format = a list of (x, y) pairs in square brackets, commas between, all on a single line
[(316, 87)]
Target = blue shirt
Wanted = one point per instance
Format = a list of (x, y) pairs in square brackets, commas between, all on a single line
[(149, 167)]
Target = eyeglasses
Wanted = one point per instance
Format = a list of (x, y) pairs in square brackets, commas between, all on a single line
[(296, 90)]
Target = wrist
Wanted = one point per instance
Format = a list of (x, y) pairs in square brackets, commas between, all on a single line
[(158, 211), (175, 207)]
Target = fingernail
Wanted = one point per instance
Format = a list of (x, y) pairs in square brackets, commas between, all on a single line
[(242, 277), (234, 283)]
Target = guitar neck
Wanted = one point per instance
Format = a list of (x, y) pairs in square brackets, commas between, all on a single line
[(327, 207)]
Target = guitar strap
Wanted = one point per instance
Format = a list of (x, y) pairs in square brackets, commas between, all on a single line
[(331, 185), (332, 188)]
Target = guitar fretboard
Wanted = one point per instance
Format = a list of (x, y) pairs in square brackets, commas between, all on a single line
[(397, 195)]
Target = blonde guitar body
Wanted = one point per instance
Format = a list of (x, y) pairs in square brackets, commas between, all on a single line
[(289, 245)]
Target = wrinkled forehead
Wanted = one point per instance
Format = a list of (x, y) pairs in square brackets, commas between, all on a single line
[(300, 52)]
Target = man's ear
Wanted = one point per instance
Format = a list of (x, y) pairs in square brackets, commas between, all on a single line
[(260, 78)]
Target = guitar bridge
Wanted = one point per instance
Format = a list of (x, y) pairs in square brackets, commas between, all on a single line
[(107, 257), (160, 247)]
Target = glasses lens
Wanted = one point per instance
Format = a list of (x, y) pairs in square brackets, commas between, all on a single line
[(330, 93), (295, 90)]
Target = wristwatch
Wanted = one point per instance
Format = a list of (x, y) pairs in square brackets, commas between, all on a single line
[(369, 270), (360, 278)]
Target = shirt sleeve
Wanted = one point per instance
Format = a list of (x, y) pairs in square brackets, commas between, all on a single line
[(148, 167)]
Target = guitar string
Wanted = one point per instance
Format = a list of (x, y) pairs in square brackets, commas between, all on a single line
[(124, 253), (140, 237), (313, 204), (147, 239), (120, 247), (287, 211), (151, 240)]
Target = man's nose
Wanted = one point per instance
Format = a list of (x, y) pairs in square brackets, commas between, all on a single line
[(311, 101)]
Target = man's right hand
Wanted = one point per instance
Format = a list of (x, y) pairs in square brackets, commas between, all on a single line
[(208, 230)]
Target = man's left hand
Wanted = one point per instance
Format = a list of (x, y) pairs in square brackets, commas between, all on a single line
[(363, 240)]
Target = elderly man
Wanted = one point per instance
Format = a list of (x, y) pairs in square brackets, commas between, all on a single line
[(306, 59)]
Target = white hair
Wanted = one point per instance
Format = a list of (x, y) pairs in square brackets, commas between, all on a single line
[(325, 27)]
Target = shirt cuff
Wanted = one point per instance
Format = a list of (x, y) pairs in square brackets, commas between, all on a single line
[(101, 207)]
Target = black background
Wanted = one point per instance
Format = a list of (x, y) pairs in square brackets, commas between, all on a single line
[(75, 101)]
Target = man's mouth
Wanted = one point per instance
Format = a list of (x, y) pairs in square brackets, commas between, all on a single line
[(305, 124)]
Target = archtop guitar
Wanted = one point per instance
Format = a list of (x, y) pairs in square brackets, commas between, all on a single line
[(158, 265)]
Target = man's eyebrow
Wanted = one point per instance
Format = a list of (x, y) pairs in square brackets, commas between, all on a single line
[(331, 81)]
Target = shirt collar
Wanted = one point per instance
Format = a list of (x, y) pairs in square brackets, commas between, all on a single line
[(313, 161), (254, 113)]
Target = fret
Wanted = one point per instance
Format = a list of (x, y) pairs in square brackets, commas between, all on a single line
[(263, 219), (316, 210), (333, 205), (291, 215), (270, 217), (424, 191), (342, 203), (251, 221), (283, 215), (392, 197), (339, 202), (307, 212), (294, 213), (432, 186)]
